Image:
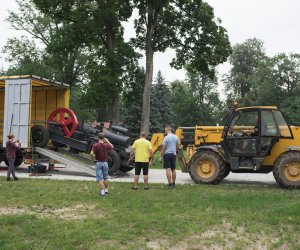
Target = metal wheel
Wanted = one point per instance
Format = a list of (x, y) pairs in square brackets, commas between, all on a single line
[(206, 168), (287, 170)]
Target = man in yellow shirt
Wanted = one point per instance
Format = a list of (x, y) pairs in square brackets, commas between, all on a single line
[(143, 154)]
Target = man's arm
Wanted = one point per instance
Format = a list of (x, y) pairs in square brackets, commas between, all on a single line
[(163, 150), (151, 155), (107, 141), (92, 154)]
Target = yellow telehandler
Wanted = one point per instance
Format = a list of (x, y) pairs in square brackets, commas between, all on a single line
[(257, 140)]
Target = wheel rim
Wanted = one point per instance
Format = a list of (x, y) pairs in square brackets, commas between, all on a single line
[(292, 171), (206, 169), (37, 136)]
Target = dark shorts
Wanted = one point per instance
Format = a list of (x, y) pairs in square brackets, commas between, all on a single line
[(141, 165), (170, 161)]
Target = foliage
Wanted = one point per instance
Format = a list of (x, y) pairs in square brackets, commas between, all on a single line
[(161, 109), (245, 60), (132, 102), (190, 28)]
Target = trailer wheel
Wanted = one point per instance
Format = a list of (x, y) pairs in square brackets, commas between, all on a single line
[(287, 170), (206, 167), (19, 159), (40, 136), (126, 168), (113, 162)]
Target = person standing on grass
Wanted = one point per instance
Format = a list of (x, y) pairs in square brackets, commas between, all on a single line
[(99, 154), (168, 154), (11, 148), (143, 154)]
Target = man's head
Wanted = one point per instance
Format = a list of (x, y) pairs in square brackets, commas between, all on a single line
[(168, 129), (142, 134), (101, 136), (11, 136)]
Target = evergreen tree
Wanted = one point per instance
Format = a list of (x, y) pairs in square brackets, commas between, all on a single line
[(161, 108)]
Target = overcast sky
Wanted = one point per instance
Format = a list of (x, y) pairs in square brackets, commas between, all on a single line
[(276, 22)]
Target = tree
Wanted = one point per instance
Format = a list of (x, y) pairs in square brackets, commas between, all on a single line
[(97, 25), (245, 60), (132, 102), (161, 109), (60, 55), (190, 28)]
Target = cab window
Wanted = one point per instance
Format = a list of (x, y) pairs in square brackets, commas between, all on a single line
[(268, 124), (246, 120), (284, 129)]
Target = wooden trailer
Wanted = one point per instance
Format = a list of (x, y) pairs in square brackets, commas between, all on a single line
[(26, 101)]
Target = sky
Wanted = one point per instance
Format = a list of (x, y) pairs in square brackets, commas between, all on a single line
[(276, 22)]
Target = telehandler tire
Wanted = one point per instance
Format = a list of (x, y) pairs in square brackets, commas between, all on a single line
[(226, 172), (207, 167), (287, 170)]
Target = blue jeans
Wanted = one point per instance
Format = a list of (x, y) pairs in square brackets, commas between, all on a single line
[(101, 171)]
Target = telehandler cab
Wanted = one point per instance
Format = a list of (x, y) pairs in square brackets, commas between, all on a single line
[(257, 140)]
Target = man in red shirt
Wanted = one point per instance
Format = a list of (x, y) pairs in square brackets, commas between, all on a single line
[(99, 154), (11, 148)]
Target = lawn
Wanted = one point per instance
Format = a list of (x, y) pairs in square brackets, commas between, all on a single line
[(49, 214)]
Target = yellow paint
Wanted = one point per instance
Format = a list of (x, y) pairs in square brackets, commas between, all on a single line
[(156, 141), (45, 97), (208, 135)]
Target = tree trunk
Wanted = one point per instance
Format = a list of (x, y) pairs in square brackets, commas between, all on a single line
[(145, 123), (116, 109)]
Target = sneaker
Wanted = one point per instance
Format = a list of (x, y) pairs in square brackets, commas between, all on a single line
[(106, 193), (16, 178), (8, 179), (134, 188), (102, 195), (146, 188)]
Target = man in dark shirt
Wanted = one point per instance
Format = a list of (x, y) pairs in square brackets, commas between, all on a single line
[(99, 154), (11, 148)]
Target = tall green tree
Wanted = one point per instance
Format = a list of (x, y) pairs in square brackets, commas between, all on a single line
[(245, 60), (190, 28), (132, 102), (61, 56), (97, 25), (161, 106)]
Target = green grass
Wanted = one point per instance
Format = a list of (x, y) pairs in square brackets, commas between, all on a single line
[(49, 214)]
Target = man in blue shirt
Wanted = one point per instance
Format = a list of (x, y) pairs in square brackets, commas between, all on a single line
[(168, 154)]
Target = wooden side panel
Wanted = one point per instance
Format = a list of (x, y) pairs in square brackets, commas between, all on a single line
[(44, 101)]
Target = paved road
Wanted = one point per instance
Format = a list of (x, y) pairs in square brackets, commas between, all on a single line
[(155, 176)]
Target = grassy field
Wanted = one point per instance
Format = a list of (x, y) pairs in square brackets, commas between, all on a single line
[(48, 214)]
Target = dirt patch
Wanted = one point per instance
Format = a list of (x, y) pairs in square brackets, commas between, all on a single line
[(76, 212), (11, 210), (158, 244)]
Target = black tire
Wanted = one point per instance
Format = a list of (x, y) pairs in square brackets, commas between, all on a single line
[(206, 167), (226, 172), (19, 159), (113, 162), (40, 136), (126, 168), (288, 176)]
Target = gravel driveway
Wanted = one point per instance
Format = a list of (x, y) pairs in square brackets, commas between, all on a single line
[(63, 172)]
